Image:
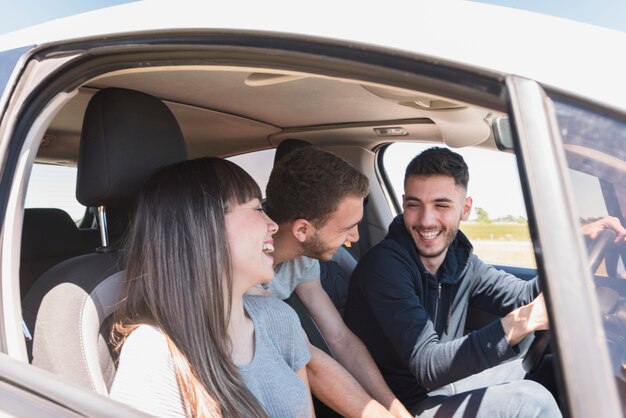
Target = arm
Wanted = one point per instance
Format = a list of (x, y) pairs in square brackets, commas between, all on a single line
[(334, 386), (391, 289), (497, 291), (301, 373), (347, 348)]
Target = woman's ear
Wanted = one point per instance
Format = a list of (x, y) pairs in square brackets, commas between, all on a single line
[(301, 229)]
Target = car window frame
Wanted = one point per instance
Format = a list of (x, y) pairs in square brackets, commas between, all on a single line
[(395, 202), (567, 280)]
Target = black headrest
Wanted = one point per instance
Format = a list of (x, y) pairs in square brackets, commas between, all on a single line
[(42, 229), (126, 137)]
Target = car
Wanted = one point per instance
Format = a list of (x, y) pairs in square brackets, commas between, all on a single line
[(544, 96)]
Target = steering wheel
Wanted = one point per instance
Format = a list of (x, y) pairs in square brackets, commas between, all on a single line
[(538, 348), (597, 248)]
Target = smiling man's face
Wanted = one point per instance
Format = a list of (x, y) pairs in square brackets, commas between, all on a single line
[(433, 208), (339, 227)]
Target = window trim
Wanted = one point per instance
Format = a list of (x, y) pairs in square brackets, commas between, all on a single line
[(385, 181), (566, 280)]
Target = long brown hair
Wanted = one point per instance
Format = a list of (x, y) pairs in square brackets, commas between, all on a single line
[(178, 277)]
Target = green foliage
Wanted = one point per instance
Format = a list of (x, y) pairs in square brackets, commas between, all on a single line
[(482, 216), (511, 218), (496, 231)]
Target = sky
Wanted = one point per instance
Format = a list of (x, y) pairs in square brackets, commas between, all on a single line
[(607, 13)]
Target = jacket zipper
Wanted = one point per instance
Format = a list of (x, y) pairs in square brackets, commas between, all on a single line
[(437, 304)]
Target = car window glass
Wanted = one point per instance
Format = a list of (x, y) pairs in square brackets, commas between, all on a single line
[(497, 227), (258, 164), (595, 150), (54, 186)]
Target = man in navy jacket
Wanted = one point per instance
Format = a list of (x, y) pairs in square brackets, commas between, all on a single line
[(409, 297)]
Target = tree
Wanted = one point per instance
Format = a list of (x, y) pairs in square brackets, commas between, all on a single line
[(482, 216)]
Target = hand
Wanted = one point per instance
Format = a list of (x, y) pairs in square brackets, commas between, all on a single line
[(592, 229), (538, 317), (399, 411), (375, 410), (525, 320)]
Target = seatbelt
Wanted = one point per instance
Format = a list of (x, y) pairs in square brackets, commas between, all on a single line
[(365, 242)]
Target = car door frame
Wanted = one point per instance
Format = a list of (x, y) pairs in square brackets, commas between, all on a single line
[(561, 256)]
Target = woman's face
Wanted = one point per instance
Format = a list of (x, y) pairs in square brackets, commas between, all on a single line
[(249, 231)]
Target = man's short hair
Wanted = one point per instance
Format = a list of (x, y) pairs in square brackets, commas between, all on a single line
[(309, 183), (439, 161)]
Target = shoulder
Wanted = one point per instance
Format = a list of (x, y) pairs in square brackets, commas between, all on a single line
[(145, 348), (387, 255), (146, 336), (478, 267), (274, 318), (388, 248), (294, 272), (145, 377), (266, 308), (301, 265)]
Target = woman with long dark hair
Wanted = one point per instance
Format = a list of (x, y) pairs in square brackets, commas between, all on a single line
[(191, 343)]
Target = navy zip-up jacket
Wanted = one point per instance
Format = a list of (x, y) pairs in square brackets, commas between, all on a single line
[(413, 322)]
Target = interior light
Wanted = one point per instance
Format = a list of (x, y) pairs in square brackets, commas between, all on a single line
[(397, 131)]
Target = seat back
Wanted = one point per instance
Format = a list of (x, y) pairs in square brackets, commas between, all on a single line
[(49, 236), (66, 312), (126, 137)]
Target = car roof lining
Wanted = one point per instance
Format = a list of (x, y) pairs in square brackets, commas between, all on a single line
[(227, 110)]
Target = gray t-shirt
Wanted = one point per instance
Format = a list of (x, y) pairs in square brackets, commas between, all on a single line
[(145, 377), (291, 273), (281, 349)]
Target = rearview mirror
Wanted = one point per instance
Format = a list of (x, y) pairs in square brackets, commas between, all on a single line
[(502, 133)]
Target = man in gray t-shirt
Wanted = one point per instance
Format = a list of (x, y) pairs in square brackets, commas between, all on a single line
[(317, 200), (291, 273)]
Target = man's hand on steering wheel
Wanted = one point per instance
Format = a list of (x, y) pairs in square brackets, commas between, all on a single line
[(525, 320), (602, 234), (593, 229)]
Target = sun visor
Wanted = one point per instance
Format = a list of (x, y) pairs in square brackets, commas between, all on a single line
[(463, 127), (460, 124)]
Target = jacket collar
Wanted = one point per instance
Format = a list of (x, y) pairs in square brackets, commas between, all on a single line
[(455, 262)]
